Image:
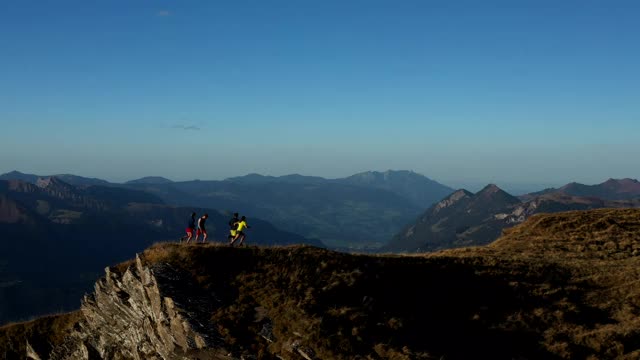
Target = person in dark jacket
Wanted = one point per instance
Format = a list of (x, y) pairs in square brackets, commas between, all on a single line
[(202, 229), (191, 228)]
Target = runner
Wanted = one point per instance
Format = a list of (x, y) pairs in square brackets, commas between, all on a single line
[(233, 224), (242, 224), (191, 228), (202, 229)]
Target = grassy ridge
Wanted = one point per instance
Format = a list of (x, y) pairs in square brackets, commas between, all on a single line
[(559, 286)]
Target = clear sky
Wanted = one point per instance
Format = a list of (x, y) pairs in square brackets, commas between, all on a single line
[(461, 91)]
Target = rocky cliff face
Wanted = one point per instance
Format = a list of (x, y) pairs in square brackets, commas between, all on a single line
[(140, 314), (151, 312)]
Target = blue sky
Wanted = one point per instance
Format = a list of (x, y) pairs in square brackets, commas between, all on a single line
[(462, 91)]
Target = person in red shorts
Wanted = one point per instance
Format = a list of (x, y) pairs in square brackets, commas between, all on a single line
[(202, 230), (191, 228)]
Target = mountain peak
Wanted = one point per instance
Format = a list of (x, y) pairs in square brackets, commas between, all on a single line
[(459, 194), (150, 180), (250, 178), (490, 189), (612, 189), (625, 181), (45, 182), (627, 185), (571, 185), (51, 182), (17, 175), (452, 199), (493, 194), (418, 188)]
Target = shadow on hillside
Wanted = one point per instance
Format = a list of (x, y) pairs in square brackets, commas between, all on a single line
[(360, 304), (435, 307)]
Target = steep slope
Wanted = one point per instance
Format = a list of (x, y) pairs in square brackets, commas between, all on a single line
[(465, 219), (559, 286), (421, 190), (461, 219)]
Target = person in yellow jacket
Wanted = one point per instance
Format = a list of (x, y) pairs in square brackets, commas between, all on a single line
[(241, 225)]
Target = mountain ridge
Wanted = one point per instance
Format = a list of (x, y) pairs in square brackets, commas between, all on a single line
[(558, 286), (332, 210), (67, 178), (466, 219), (149, 180), (421, 190), (611, 189)]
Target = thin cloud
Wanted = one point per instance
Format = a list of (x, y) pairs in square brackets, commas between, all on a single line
[(187, 127), (163, 13)]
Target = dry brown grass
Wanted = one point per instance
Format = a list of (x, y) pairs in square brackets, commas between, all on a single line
[(603, 233), (42, 334), (562, 285), (599, 253)]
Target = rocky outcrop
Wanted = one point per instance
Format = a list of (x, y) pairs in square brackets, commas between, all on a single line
[(451, 200), (142, 314)]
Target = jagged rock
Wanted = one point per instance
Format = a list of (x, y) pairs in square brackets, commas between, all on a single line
[(267, 332), (137, 315), (31, 354), (304, 351)]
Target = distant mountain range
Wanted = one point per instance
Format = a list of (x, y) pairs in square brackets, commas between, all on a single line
[(464, 218), (363, 210), (55, 238), (612, 189), (67, 178), (420, 190), (150, 180), (366, 210)]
